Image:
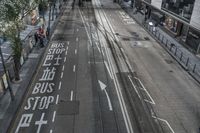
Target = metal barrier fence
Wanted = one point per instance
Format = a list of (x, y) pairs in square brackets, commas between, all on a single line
[(179, 55)]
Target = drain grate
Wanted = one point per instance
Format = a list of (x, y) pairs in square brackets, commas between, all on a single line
[(126, 39), (168, 61), (146, 38)]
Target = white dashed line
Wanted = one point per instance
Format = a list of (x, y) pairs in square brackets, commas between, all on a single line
[(74, 68), (57, 98), (61, 76), (67, 48), (51, 131), (63, 68), (71, 97), (65, 59), (77, 39), (59, 87), (68, 43), (54, 115), (77, 30), (75, 51), (5, 54)]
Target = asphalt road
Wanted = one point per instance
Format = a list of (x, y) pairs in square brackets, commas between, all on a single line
[(170, 95), (72, 91)]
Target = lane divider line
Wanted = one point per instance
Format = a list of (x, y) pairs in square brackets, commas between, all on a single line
[(59, 87), (144, 89), (71, 96), (77, 39), (75, 51), (134, 86), (51, 131), (67, 42), (74, 68), (163, 120), (57, 98), (61, 76), (65, 59), (63, 68), (54, 115)]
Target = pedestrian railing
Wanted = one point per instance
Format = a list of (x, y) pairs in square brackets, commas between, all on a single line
[(176, 52)]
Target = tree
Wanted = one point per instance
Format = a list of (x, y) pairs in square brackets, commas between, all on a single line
[(12, 13)]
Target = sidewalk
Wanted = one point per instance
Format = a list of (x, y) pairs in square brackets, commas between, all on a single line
[(9, 108), (182, 55)]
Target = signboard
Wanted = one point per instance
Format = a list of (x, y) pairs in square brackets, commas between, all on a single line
[(195, 19), (156, 3)]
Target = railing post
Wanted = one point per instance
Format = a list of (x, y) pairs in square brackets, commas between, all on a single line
[(181, 56), (187, 61), (175, 51), (166, 42), (162, 38), (194, 68)]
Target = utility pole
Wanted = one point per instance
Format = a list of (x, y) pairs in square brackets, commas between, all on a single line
[(5, 71)]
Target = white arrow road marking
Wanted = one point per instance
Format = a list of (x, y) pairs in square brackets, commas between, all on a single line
[(103, 88), (106, 64)]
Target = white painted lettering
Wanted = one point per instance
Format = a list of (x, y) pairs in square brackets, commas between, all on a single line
[(24, 121)]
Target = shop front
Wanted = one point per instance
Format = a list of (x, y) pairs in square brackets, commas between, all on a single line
[(172, 25), (193, 40)]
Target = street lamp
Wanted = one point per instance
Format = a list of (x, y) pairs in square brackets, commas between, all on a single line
[(5, 71)]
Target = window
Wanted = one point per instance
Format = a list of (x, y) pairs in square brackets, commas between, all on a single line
[(180, 8)]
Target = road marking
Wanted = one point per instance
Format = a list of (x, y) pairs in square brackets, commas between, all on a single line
[(51, 131), (106, 64), (74, 68), (67, 42), (163, 120), (59, 87), (116, 82), (61, 76), (143, 88), (71, 96), (77, 30), (54, 115), (5, 54), (67, 48), (77, 39), (63, 68), (134, 86), (66, 52), (103, 88), (65, 59), (57, 98), (75, 51)]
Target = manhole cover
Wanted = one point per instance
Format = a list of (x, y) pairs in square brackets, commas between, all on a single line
[(146, 38), (168, 61), (117, 34), (126, 39)]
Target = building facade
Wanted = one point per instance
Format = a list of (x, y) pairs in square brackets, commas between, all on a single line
[(179, 18)]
